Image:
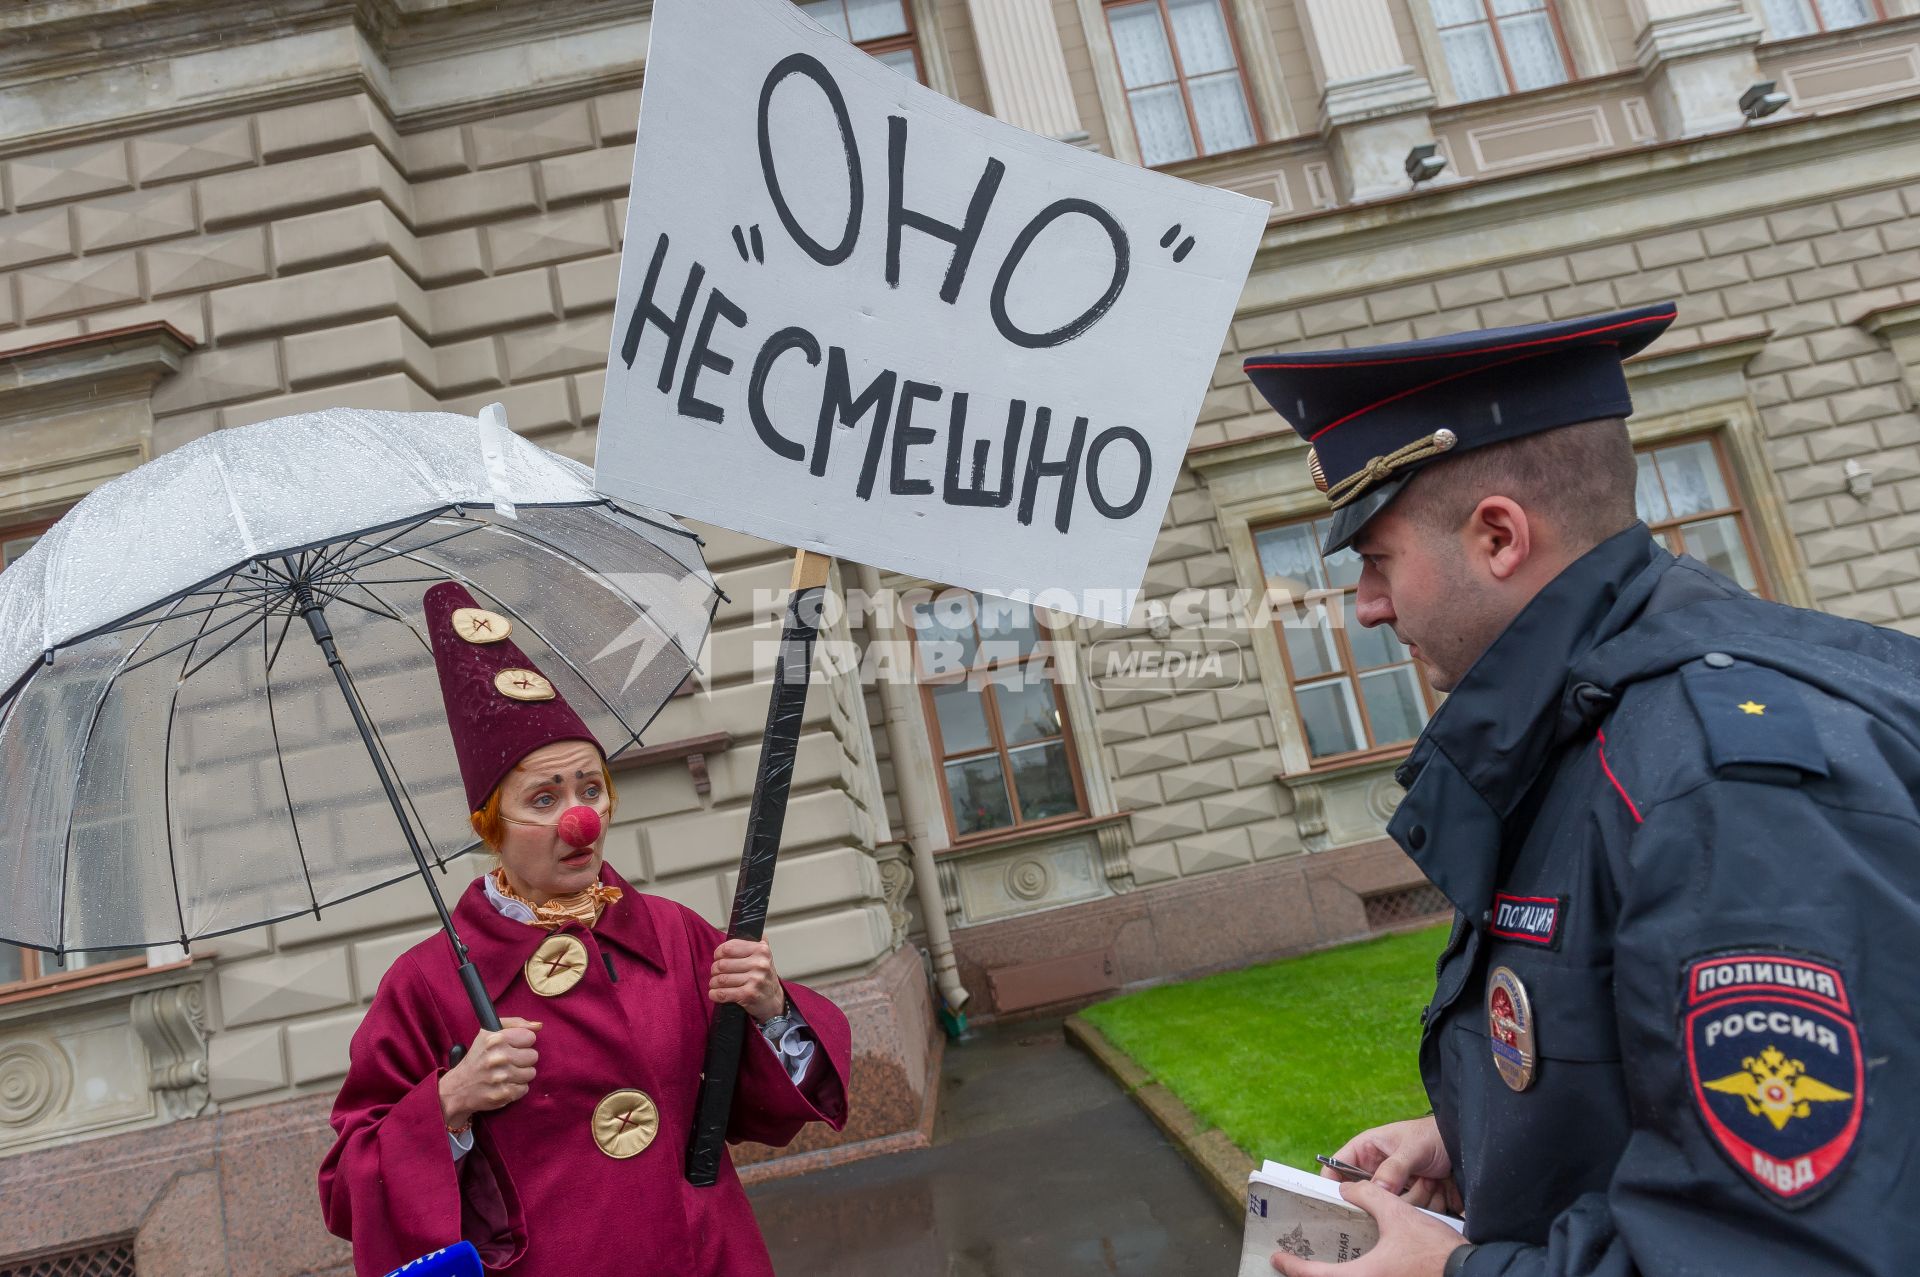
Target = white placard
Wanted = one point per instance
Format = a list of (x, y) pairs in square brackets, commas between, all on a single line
[(858, 318)]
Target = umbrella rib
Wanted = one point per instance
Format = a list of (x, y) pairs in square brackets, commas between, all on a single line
[(393, 769), (344, 565), (655, 523), (156, 622), (327, 564), (166, 774), (363, 587), (275, 654), (265, 612), (204, 632), (380, 611), (280, 759), (564, 658), (645, 612)]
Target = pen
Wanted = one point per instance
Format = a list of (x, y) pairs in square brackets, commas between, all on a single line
[(1344, 1168)]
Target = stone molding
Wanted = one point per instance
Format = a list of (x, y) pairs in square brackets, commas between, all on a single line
[(1392, 91), (427, 64), (77, 1060), (124, 361), (1710, 29)]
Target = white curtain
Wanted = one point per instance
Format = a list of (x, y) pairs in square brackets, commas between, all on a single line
[(1473, 58), (1473, 63), (875, 19), (1526, 29), (1787, 18), (1153, 87), (1846, 13)]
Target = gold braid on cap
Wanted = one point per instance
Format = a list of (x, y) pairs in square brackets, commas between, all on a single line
[(1350, 488)]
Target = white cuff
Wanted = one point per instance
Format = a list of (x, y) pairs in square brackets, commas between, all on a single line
[(794, 1043), (462, 1143)]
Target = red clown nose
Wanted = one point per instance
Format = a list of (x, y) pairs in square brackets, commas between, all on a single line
[(579, 826)]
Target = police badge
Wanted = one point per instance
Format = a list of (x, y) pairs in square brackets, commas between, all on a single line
[(1775, 1067)]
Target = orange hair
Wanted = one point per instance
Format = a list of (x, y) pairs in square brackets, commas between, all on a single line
[(487, 822)]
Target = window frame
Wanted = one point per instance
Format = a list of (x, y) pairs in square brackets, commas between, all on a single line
[(1670, 532), (1491, 21), (1180, 79), (1372, 751), (1820, 26), (908, 40), (33, 979), (1044, 649)]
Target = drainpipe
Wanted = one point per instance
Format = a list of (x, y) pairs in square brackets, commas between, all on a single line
[(912, 779)]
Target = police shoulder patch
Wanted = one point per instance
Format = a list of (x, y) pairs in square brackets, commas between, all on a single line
[(1756, 719), (1775, 1067)]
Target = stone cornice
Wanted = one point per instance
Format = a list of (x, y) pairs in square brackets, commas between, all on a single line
[(65, 65), (122, 361), (1546, 210)]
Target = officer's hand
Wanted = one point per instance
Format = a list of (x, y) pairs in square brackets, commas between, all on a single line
[(496, 1070), (1411, 1245), (1408, 1158)]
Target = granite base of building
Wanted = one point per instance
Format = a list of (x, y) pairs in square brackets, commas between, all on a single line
[(234, 1194), (1061, 958)]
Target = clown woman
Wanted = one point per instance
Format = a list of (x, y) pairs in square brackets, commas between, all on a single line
[(556, 1144)]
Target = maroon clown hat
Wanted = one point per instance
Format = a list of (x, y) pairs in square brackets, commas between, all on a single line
[(500, 707)]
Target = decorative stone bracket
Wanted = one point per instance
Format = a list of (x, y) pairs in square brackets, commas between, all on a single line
[(172, 1026), (694, 749), (896, 882), (1900, 326), (99, 1054)]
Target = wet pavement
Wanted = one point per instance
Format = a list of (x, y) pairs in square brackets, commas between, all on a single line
[(1040, 1167)]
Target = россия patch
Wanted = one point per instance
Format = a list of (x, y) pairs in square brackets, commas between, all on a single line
[(1775, 1067)]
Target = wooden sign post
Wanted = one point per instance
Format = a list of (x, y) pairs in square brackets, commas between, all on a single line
[(786, 707)]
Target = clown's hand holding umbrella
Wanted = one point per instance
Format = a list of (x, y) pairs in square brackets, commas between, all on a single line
[(233, 723)]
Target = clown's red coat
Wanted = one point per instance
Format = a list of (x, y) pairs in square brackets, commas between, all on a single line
[(537, 1195)]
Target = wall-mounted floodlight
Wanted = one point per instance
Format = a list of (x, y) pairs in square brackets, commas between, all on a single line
[(1762, 100), (1424, 162)]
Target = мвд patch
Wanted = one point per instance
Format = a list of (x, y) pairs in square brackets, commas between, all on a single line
[(1775, 1067)]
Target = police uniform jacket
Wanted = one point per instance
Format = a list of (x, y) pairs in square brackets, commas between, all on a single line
[(1683, 822)]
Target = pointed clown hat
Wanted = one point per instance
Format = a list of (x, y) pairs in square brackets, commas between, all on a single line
[(500, 707)]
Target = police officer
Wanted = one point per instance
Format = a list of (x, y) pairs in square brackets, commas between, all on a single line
[(1676, 1028)]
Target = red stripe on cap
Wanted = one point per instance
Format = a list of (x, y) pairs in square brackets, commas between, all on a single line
[(1423, 386), (1483, 350)]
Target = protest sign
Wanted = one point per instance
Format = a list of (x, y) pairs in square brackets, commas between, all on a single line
[(857, 318)]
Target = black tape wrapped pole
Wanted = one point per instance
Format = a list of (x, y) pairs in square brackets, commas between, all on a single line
[(785, 708)]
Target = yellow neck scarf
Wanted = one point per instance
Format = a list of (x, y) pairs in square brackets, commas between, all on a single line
[(583, 906)]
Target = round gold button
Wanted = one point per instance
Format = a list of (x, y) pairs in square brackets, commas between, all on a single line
[(556, 966), (477, 625), (523, 685), (625, 1123)]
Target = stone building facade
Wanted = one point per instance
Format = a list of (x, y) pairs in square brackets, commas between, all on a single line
[(216, 213)]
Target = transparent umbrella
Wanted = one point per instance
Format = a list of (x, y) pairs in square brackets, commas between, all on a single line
[(220, 705)]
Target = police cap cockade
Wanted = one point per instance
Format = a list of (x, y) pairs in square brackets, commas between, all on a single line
[(1376, 415)]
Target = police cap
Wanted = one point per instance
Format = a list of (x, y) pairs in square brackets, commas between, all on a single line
[(1376, 415)]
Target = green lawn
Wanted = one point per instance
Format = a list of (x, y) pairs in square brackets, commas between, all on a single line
[(1293, 1057)]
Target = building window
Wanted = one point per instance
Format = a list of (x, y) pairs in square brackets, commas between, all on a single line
[(21, 965), (1686, 494), (1356, 690), (882, 28), (1497, 47), (991, 693), (1181, 69), (1789, 18)]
